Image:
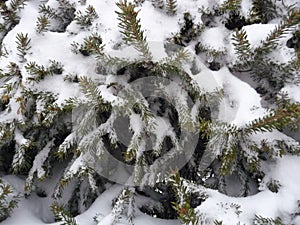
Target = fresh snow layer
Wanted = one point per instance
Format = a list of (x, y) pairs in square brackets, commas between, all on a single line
[(240, 105), (34, 210), (293, 91), (258, 32), (265, 203)]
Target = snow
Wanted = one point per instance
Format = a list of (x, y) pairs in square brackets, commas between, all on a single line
[(214, 38), (241, 105), (58, 86), (240, 98), (293, 91), (217, 206), (258, 32), (245, 7), (20, 140), (162, 26), (265, 203), (136, 123), (39, 160)]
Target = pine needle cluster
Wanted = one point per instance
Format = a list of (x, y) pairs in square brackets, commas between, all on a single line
[(158, 3), (171, 7), (8, 201), (42, 24), (62, 215), (62, 15), (258, 61), (10, 15), (40, 72), (263, 11), (186, 213), (86, 19), (130, 26), (230, 5), (23, 45)]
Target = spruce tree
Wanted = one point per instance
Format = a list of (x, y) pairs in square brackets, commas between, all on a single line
[(175, 149)]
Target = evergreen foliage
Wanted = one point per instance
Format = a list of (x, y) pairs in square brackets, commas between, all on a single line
[(171, 7), (130, 26), (259, 220), (263, 11), (9, 14), (37, 134), (188, 32), (91, 45), (23, 43), (158, 3), (86, 19), (230, 5), (8, 201), (40, 72), (258, 60), (185, 212), (61, 16), (42, 24), (62, 215), (242, 46)]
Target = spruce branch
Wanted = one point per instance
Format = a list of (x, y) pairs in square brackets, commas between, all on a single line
[(263, 11), (230, 5), (92, 45), (47, 11), (242, 46), (183, 207), (3, 51), (209, 128), (171, 7), (39, 72), (55, 67), (23, 45), (123, 202), (79, 171), (9, 14), (218, 222), (285, 26), (260, 220), (277, 119), (7, 204), (136, 102), (65, 147), (229, 155), (87, 18), (133, 148), (37, 170), (158, 3), (62, 215), (113, 64), (21, 160), (131, 28), (42, 24), (88, 87), (62, 15), (16, 5), (90, 90), (177, 59), (211, 53)]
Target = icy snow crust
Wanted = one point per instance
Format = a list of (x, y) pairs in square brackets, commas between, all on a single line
[(158, 26)]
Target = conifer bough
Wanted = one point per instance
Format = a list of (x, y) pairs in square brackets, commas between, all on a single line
[(131, 28)]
